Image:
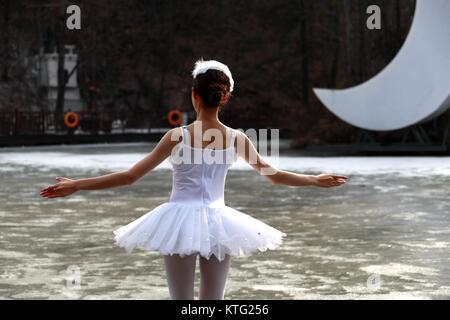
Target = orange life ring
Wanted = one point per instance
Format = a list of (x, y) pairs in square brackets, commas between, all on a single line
[(175, 117), (71, 124)]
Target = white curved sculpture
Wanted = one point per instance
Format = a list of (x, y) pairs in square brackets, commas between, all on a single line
[(413, 88)]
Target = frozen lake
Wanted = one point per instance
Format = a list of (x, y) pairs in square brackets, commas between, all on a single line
[(384, 235)]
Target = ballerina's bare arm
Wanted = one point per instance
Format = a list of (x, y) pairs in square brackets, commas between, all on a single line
[(66, 186), (248, 152)]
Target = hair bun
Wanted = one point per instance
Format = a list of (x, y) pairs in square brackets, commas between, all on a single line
[(213, 87), (215, 97)]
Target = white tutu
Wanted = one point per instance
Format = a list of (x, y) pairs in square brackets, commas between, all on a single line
[(175, 228)]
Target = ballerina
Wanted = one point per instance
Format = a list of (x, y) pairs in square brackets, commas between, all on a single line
[(195, 221)]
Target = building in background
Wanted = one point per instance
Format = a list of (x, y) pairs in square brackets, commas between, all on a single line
[(48, 78)]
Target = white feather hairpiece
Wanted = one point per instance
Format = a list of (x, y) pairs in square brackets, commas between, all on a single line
[(202, 66)]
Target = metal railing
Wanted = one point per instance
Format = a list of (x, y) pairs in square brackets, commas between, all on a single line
[(18, 122)]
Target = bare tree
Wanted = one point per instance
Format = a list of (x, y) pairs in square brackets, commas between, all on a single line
[(6, 39), (304, 50)]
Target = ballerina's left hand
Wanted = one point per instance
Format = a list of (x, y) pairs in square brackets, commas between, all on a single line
[(63, 188)]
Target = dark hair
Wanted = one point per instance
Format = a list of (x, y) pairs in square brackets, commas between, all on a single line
[(213, 86)]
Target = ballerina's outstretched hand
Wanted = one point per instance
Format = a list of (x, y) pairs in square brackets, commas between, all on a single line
[(326, 180), (63, 188)]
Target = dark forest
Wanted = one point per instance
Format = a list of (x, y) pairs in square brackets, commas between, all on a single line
[(138, 55)]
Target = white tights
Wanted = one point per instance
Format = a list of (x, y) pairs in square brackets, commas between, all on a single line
[(180, 272)]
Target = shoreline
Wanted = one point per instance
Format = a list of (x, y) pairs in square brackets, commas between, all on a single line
[(20, 141), (55, 139)]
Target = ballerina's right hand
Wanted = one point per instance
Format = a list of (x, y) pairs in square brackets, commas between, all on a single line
[(325, 180), (63, 188)]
